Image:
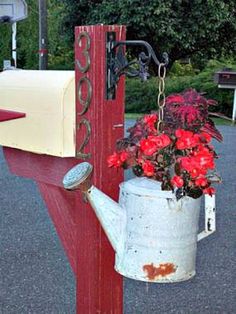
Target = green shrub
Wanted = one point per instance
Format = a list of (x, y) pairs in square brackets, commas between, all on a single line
[(5, 43), (179, 69), (141, 96), (61, 60)]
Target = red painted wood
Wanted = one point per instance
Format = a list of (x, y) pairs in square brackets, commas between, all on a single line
[(100, 290), (6, 115), (48, 172), (62, 209), (42, 168), (99, 287)]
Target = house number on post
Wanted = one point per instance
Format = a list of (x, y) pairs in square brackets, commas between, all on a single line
[(84, 92)]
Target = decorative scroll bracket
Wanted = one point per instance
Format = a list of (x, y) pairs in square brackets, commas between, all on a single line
[(118, 65)]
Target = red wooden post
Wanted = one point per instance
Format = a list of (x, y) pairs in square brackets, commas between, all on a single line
[(101, 286), (99, 124)]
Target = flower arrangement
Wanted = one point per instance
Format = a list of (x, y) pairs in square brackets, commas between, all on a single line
[(181, 156)]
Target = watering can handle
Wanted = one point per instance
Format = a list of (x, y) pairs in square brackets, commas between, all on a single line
[(210, 217)]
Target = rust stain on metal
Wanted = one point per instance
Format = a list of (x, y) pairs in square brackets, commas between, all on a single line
[(162, 270)]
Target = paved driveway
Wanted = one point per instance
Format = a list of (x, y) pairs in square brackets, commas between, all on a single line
[(35, 276)]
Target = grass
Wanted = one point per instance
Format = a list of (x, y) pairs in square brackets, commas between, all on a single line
[(133, 116), (218, 121)]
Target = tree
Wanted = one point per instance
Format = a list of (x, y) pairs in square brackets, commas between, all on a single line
[(201, 29), (5, 43), (60, 53)]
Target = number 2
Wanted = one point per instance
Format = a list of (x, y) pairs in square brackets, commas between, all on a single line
[(80, 153)]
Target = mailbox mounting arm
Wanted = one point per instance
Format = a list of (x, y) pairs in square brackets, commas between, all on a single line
[(117, 64)]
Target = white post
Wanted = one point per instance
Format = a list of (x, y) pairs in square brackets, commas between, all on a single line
[(14, 57), (210, 217), (234, 107)]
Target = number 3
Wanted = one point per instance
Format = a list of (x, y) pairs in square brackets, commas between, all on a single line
[(85, 52)]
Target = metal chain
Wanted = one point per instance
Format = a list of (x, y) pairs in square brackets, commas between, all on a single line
[(161, 98)]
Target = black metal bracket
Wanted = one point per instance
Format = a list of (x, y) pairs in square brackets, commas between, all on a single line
[(118, 65)]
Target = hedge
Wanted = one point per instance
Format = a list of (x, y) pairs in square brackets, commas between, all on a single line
[(141, 96)]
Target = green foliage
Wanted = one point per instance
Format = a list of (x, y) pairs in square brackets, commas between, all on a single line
[(75, 14), (141, 96), (179, 69), (27, 38), (63, 59), (197, 28), (5, 43), (61, 55)]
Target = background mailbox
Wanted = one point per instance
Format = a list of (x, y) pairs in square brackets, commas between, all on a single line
[(227, 79), (48, 100)]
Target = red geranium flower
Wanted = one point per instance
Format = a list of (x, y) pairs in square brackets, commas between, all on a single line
[(196, 172), (161, 141), (186, 139), (123, 156), (114, 160), (148, 147), (183, 133), (205, 159), (188, 163), (177, 181), (202, 182), (148, 168), (117, 159)]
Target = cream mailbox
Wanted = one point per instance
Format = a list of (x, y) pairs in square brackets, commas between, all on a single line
[(47, 98)]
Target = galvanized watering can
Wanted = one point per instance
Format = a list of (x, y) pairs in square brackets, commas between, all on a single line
[(154, 235)]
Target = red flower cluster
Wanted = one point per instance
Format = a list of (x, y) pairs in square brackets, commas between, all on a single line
[(117, 159), (186, 139), (197, 164), (148, 168), (177, 181), (152, 144), (181, 157), (188, 152)]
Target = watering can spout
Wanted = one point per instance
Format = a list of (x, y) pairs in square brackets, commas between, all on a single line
[(110, 214)]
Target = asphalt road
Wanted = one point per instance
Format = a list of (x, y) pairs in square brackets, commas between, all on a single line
[(35, 276)]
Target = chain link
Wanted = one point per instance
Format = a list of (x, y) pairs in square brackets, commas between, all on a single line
[(161, 98)]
